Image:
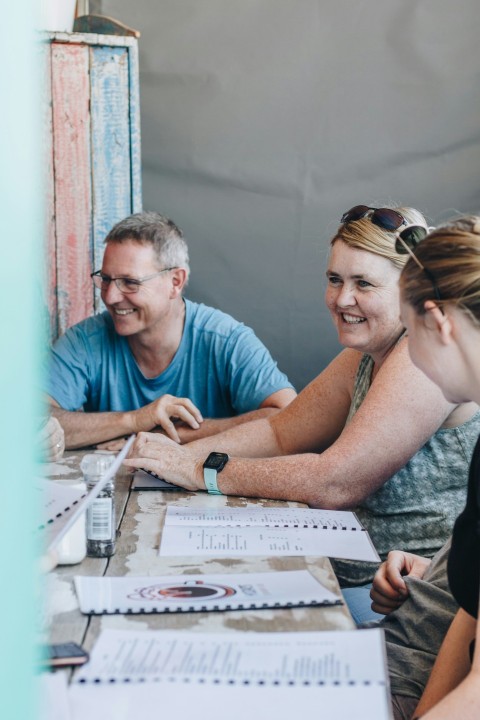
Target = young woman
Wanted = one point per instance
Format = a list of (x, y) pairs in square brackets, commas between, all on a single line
[(440, 307)]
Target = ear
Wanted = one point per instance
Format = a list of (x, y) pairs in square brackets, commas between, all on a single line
[(178, 278), (441, 321)]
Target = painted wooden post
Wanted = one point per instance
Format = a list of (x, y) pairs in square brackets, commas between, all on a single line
[(135, 153), (72, 172), (50, 284), (94, 180), (110, 144)]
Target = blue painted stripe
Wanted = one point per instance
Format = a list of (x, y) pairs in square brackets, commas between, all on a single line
[(110, 116), (135, 147)]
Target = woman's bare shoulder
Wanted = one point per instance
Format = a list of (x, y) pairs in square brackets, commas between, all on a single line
[(398, 374), (338, 377)]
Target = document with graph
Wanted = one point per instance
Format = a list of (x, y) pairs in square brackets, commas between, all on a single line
[(237, 532), (268, 675)]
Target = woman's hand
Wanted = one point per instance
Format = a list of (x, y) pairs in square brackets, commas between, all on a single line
[(389, 589), (174, 463)]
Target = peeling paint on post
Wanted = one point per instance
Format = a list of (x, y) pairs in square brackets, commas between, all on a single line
[(93, 179)]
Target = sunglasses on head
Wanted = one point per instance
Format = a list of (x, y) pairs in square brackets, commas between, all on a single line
[(407, 240), (385, 218)]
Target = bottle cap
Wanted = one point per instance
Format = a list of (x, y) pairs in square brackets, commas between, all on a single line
[(96, 464)]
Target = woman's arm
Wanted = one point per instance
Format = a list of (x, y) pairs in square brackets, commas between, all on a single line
[(401, 411), (453, 690), (311, 422)]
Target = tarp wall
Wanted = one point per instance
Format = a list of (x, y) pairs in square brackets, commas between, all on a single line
[(263, 120)]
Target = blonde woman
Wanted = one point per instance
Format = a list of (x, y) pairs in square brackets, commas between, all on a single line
[(370, 433)]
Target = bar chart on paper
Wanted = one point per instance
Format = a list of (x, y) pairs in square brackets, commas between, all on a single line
[(242, 531)]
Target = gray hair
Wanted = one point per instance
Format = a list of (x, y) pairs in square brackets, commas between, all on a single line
[(151, 228)]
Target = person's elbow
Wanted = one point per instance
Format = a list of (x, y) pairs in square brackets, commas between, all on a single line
[(279, 399), (335, 495)]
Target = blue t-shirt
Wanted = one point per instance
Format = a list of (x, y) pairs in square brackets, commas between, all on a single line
[(220, 365)]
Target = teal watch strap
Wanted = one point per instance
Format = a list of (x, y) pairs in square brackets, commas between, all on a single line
[(210, 478)]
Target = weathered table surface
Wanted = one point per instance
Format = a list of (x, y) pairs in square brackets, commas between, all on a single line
[(140, 517)]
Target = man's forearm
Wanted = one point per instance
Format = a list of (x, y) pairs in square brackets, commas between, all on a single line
[(83, 429), (213, 426)]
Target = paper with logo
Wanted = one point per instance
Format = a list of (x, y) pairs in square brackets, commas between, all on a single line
[(201, 593)]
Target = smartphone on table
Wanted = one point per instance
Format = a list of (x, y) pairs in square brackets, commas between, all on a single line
[(60, 655)]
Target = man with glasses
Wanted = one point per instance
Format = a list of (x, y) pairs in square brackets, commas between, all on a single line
[(154, 360)]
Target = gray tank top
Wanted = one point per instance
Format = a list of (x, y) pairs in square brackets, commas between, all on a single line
[(416, 508)]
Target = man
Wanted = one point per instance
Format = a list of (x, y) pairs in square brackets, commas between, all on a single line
[(153, 356)]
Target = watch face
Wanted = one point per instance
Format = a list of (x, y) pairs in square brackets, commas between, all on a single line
[(216, 461)]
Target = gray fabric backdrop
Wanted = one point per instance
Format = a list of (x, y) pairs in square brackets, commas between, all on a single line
[(263, 120)]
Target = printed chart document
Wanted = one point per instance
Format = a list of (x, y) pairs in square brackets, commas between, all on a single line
[(236, 532), (254, 675), (264, 517), (201, 593)]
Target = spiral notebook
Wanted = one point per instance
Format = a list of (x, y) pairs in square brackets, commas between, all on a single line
[(275, 676), (56, 499), (237, 532), (200, 593)]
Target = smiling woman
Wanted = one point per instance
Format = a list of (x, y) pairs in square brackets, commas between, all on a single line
[(370, 433), (362, 297)]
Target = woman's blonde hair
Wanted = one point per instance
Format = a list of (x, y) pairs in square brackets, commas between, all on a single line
[(366, 235), (451, 254)]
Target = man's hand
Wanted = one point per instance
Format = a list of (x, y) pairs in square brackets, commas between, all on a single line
[(52, 440), (159, 413), (174, 463), (389, 589)]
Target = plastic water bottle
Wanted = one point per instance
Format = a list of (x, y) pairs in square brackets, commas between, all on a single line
[(101, 526)]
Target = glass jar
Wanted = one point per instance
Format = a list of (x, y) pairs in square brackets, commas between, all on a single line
[(101, 526)]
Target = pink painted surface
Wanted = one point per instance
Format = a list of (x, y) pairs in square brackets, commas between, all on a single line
[(50, 298), (71, 143)]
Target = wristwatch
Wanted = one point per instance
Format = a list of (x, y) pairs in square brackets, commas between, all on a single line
[(214, 464)]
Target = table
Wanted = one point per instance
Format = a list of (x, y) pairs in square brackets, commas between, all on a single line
[(140, 516)]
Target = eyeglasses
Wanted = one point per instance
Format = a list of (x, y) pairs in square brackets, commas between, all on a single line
[(124, 284), (385, 218), (407, 240)]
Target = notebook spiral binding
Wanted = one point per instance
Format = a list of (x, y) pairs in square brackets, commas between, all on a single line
[(66, 509), (232, 681), (303, 527), (216, 608)]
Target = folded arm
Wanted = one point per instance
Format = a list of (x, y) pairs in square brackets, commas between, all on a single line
[(212, 426), (83, 429)]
